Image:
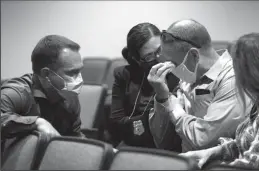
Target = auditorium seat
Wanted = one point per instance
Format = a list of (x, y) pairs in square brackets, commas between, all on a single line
[(133, 158), (218, 45), (69, 153), (226, 167), (24, 152), (99, 71), (3, 80), (95, 69), (92, 99)]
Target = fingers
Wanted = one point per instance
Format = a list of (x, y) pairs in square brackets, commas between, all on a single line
[(158, 69), (115, 150), (202, 162), (165, 72), (163, 68), (179, 93), (154, 69), (182, 154)]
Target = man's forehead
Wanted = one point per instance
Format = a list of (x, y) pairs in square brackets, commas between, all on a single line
[(70, 59)]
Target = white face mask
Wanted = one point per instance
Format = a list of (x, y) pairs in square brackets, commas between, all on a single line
[(182, 72), (73, 85)]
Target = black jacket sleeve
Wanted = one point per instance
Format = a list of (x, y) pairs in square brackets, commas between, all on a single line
[(13, 106), (76, 130)]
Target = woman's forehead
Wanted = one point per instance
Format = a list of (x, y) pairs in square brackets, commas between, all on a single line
[(150, 46)]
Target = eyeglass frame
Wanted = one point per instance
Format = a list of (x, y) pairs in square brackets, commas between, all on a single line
[(178, 38)]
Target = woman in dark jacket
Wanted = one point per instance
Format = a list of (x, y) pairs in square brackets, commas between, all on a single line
[(132, 95)]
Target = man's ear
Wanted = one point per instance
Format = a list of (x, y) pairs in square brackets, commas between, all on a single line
[(192, 59), (44, 72), (194, 53)]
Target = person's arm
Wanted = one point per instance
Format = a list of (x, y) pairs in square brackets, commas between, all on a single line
[(222, 118), (118, 95), (119, 121), (13, 104), (76, 126)]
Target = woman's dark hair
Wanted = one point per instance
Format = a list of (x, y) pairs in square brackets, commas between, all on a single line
[(246, 66), (136, 38)]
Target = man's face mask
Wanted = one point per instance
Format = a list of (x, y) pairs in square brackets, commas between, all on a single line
[(182, 72), (72, 85)]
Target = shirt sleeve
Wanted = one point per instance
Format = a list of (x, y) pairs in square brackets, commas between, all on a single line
[(221, 120), (13, 105), (76, 127)]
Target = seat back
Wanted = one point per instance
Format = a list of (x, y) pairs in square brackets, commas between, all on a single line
[(23, 153), (92, 101), (132, 158), (218, 45), (3, 80), (69, 153), (114, 64), (225, 167), (95, 70)]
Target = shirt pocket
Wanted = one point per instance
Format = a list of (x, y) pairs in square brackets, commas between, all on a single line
[(202, 103)]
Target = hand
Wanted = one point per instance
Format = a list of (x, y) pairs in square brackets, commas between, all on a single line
[(180, 98), (201, 156), (46, 127), (183, 101), (157, 79)]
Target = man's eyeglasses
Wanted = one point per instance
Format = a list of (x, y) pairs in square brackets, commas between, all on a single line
[(166, 37)]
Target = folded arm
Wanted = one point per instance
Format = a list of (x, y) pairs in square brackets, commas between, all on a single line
[(13, 104)]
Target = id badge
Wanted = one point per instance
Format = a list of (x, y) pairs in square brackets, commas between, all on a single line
[(138, 127)]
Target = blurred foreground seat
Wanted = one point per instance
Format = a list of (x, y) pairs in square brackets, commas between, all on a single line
[(24, 152), (69, 153), (133, 158)]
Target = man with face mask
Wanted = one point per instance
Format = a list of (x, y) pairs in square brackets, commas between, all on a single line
[(47, 100), (207, 105)]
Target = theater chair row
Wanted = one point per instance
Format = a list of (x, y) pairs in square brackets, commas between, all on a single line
[(38, 151)]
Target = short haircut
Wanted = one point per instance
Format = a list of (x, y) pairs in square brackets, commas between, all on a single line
[(192, 31), (47, 51)]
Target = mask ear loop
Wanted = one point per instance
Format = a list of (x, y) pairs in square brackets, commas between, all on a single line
[(137, 97), (65, 83)]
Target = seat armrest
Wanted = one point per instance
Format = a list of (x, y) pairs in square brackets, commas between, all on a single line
[(92, 133)]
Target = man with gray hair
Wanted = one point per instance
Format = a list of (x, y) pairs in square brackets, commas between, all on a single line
[(207, 105)]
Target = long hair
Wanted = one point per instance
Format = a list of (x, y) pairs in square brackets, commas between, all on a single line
[(136, 38), (246, 66)]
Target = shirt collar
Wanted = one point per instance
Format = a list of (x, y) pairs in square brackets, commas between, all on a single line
[(214, 71), (38, 92)]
